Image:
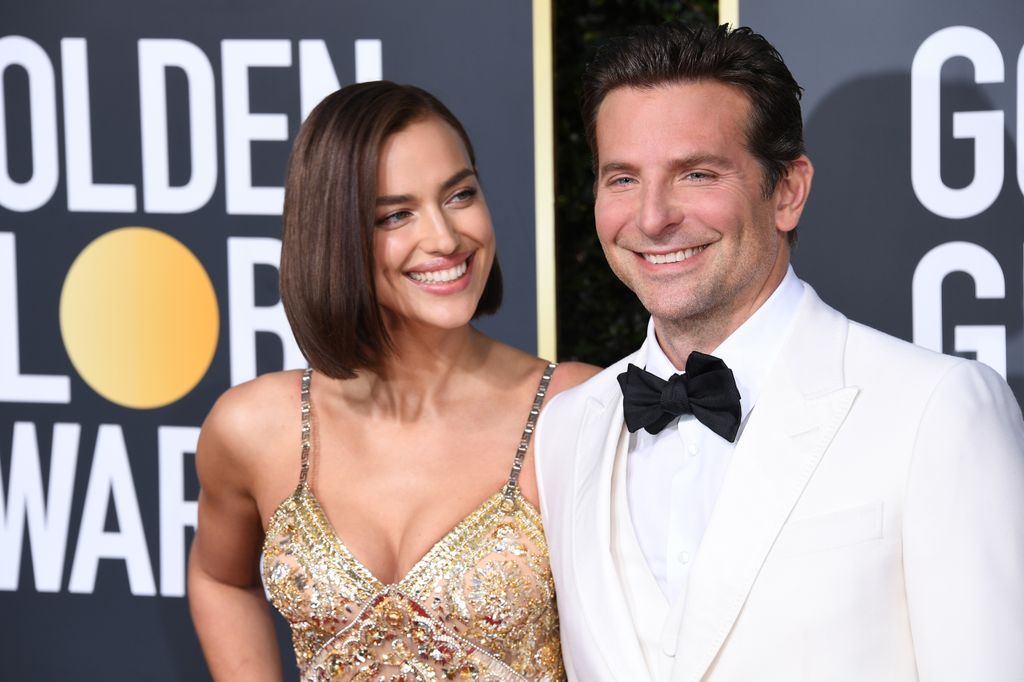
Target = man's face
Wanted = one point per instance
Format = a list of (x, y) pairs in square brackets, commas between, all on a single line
[(679, 206)]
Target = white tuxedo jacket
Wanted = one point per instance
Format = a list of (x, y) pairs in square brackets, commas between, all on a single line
[(870, 526)]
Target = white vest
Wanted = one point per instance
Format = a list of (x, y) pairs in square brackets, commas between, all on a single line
[(655, 622)]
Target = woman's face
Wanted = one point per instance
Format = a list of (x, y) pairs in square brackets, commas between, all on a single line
[(433, 241)]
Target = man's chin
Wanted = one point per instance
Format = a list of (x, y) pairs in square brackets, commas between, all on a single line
[(670, 313), (663, 301)]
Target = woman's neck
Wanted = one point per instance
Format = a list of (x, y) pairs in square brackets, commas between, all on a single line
[(425, 368)]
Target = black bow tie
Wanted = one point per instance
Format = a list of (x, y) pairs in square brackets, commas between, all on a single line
[(707, 391)]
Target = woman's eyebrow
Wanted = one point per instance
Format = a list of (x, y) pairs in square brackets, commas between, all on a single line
[(390, 199)]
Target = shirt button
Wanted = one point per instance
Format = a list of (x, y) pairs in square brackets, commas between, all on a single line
[(684, 558), (692, 450)]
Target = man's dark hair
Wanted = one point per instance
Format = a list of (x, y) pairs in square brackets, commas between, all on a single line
[(677, 53), (327, 263)]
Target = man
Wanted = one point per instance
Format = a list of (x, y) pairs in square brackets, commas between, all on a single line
[(858, 516)]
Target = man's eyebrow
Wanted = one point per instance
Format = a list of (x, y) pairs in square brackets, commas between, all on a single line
[(616, 166), (391, 199), (700, 160)]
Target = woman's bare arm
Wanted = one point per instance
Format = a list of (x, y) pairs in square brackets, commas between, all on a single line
[(229, 610)]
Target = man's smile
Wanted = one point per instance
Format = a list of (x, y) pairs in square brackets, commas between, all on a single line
[(674, 256)]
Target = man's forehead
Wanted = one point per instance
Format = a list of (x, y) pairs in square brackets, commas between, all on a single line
[(687, 107), (680, 91)]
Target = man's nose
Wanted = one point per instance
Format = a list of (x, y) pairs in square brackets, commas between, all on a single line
[(659, 210)]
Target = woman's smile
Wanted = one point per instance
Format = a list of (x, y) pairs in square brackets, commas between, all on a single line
[(443, 275)]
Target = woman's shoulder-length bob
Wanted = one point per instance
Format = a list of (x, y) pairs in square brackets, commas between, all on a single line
[(327, 263)]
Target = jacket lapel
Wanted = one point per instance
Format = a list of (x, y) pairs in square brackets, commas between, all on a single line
[(801, 407), (602, 436)]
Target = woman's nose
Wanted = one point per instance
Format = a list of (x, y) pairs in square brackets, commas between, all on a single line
[(440, 235)]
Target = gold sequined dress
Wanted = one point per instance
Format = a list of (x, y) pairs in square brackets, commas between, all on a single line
[(480, 605)]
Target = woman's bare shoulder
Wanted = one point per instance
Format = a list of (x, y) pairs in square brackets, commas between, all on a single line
[(259, 403), (569, 374), (249, 418), (519, 368)]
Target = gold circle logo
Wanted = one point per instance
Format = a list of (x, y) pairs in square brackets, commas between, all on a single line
[(139, 317)]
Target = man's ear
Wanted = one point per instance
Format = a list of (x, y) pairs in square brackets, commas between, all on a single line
[(791, 193)]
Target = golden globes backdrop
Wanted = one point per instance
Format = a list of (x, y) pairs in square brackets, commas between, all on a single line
[(142, 156), (914, 119)]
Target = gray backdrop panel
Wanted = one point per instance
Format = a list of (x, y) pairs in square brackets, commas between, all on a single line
[(865, 230), (476, 56)]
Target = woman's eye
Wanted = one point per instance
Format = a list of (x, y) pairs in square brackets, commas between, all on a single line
[(464, 195), (393, 218)]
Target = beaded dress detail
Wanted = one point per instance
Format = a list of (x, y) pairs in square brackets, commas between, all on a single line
[(480, 605)]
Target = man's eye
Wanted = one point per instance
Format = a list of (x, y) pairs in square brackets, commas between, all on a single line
[(622, 181), (699, 176)]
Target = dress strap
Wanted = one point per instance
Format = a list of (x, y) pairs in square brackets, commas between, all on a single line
[(512, 486), (307, 375)]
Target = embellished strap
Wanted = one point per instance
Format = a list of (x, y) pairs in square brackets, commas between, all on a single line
[(524, 443), (307, 375)]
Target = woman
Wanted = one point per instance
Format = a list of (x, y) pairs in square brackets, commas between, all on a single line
[(411, 547)]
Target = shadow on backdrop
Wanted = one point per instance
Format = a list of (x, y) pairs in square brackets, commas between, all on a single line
[(864, 230)]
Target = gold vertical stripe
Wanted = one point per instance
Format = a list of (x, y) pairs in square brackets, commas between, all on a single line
[(729, 12), (544, 179)]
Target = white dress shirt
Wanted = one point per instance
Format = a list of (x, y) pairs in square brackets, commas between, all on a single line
[(673, 478)]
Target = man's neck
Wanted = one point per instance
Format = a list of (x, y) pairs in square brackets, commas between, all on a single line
[(679, 339), (706, 332)]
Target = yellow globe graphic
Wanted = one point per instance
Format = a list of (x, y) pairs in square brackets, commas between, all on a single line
[(139, 317)]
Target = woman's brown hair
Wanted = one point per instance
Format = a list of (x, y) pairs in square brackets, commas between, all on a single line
[(327, 263)]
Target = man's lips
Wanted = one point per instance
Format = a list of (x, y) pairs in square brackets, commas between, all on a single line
[(673, 256)]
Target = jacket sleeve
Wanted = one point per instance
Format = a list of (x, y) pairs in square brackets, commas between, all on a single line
[(963, 533)]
